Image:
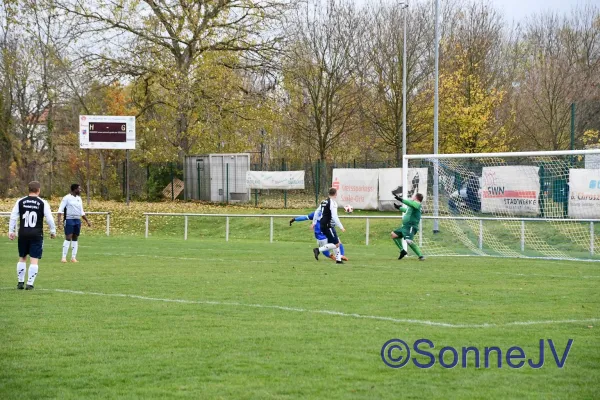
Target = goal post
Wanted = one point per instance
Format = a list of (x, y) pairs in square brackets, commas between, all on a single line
[(521, 204)]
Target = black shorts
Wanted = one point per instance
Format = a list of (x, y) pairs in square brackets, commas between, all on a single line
[(31, 247), (72, 226), (331, 235)]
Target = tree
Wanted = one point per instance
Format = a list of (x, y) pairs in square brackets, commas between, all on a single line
[(32, 43), (467, 114), (319, 74), (561, 58), (227, 115), (381, 72), (168, 46)]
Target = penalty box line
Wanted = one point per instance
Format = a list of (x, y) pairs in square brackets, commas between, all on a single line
[(322, 312)]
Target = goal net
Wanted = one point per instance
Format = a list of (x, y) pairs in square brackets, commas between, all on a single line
[(534, 204)]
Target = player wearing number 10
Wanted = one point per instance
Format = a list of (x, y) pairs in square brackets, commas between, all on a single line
[(29, 211)]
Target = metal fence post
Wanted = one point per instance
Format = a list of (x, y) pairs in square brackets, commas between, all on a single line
[(285, 191), (227, 179), (367, 234), (480, 234), (227, 229), (147, 223), (317, 178), (199, 192), (592, 238), (127, 177), (107, 224), (172, 183), (271, 231), (185, 229), (522, 236), (147, 179)]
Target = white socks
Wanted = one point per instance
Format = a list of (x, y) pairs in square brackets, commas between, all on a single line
[(338, 254), (66, 245), (74, 246), (21, 267), (33, 270), (328, 246)]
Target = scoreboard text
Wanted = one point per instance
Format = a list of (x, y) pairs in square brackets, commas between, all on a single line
[(108, 132)]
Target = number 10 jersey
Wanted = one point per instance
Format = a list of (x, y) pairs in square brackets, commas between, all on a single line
[(31, 211)]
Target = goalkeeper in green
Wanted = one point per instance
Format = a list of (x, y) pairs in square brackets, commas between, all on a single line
[(410, 225)]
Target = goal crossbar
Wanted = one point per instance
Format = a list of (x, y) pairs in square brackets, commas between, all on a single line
[(506, 154)]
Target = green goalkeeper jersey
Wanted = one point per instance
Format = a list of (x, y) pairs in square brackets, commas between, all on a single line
[(413, 212)]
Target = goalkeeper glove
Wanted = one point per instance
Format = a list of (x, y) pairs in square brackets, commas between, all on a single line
[(398, 197), (397, 206)]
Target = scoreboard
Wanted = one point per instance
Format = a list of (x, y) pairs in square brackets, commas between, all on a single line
[(106, 132)]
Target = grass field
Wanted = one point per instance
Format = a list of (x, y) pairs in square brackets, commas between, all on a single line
[(164, 318)]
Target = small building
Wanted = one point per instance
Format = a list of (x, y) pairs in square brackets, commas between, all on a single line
[(216, 177)]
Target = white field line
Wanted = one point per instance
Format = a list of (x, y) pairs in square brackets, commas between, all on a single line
[(324, 312), (324, 258), (545, 276)]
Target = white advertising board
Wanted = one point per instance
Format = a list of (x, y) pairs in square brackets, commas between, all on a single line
[(356, 187), (390, 180), (285, 180), (584, 193), (510, 190)]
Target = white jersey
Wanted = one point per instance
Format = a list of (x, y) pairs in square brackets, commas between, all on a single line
[(71, 206), (327, 215)]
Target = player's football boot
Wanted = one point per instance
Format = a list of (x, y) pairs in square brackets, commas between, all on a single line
[(21, 285), (421, 258), (63, 260), (316, 253), (339, 262), (74, 260), (29, 287), (292, 221), (332, 257), (344, 258), (403, 254)]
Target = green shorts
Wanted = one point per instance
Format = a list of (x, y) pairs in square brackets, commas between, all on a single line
[(407, 231)]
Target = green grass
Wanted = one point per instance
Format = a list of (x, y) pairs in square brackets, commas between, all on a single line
[(542, 239), (71, 346), (571, 240)]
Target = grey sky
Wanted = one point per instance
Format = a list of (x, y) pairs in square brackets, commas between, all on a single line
[(518, 10)]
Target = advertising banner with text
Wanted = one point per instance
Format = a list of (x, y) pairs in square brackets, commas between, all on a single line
[(510, 190), (356, 187), (584, 193), (285, 180)]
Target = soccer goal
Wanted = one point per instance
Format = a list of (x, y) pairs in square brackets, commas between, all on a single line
[(527, 204)]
